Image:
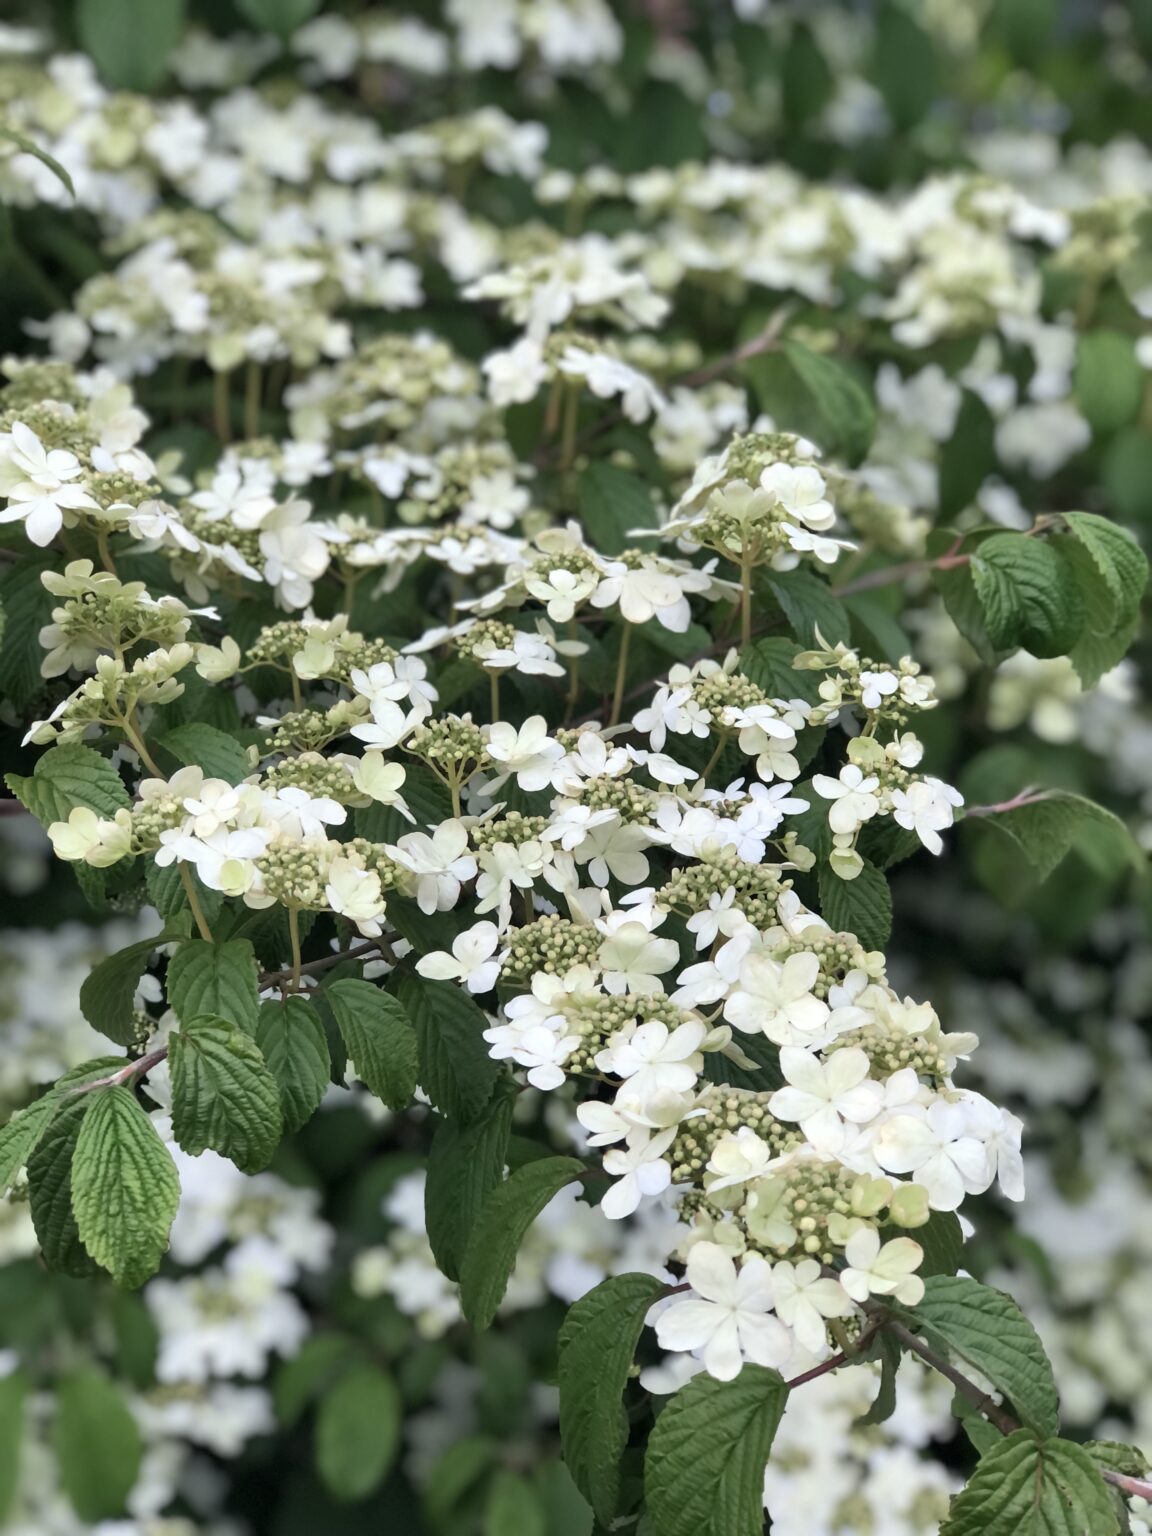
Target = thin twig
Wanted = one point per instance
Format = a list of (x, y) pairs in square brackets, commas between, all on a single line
[(1025, 797)]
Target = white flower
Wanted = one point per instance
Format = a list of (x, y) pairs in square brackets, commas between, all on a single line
[(937, 1146), (355, 893), (632, 957), (882, 1270), (799, 489), (612, 850), (729, 1319), (655, 1058), (821, 1096), (926, 807), (853, 795), (470, 961), (737, 1158), (543, 1050), (439, 862), (776, 1000), (639, 1170), (875, 687), (805, 1300), (529, 753)]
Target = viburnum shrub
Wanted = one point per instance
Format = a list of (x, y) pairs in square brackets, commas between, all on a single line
[(500, 672)]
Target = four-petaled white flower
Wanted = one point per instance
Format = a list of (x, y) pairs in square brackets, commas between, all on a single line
[(471, 960), (730, 1318), (822, 1096), (805, 1300), (853, 796)]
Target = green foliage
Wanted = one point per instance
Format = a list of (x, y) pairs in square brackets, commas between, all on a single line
[(292, 1041), (66, 777), (1027, 1486), (1109, 381), (704, 1471), (219, 979), (989, 1331), (507, 1213), (357, 1432), (466, 1161), (862, 906), (1028, 595), (455, 1070), (279, 16), (613, 503), (220, 755), (809, 605), (380, 1040), (50, 1191), (13, 1395), (98, 1445), (130, 40), (108, 991), (1046, 829), (223, 1095), (125, 1188), (513, 1507), (597, 1343)]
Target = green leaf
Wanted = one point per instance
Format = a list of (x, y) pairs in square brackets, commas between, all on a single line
[(862, 906), (66, 777), (704, 1471), (1047, 829), (98, 1445), (167, 894), (19, 1137), (942, 1239), (26, 605), (1028, 595), (905, 66), (887, 1350), (809, 605), (357, 1432), (308, 1373), (108, 991), (223, 1095), (13, 1392), (1117, 1457), (1030, 1487), (507, 1213), (612, 504), (221, 756), (513, 1507), (846, 412), (28, 147), (1108, 379), (466, 1161), (597, 1343), (279, 16), (1111, 573), (125, 1188), (380, 1040), (130, 40), (769, 663), (989, 1331), (50, 1192), (456, 1071), (295, 1048), (968, 457), (220, 979), (1121, 563)]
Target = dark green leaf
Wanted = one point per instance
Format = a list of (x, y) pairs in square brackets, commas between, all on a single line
[(295, 1049), (357, 1432), (379, 1038)]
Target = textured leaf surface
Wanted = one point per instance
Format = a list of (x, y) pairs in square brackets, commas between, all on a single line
[(223, 1095), (704, 1471), (597, 1343), (220, 755), (50, 1192), (125, 1188), (466, 1160), (380, 1040), (219, 979), (1028, 595), (456, 1070), (66, 777), (1030, 1487), (295, 1049), (107, 992), (987, 1328), (505, 1217), (862, 906)]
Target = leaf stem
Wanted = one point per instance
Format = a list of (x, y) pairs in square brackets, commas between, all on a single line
[(294, 936), (621, 673)]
